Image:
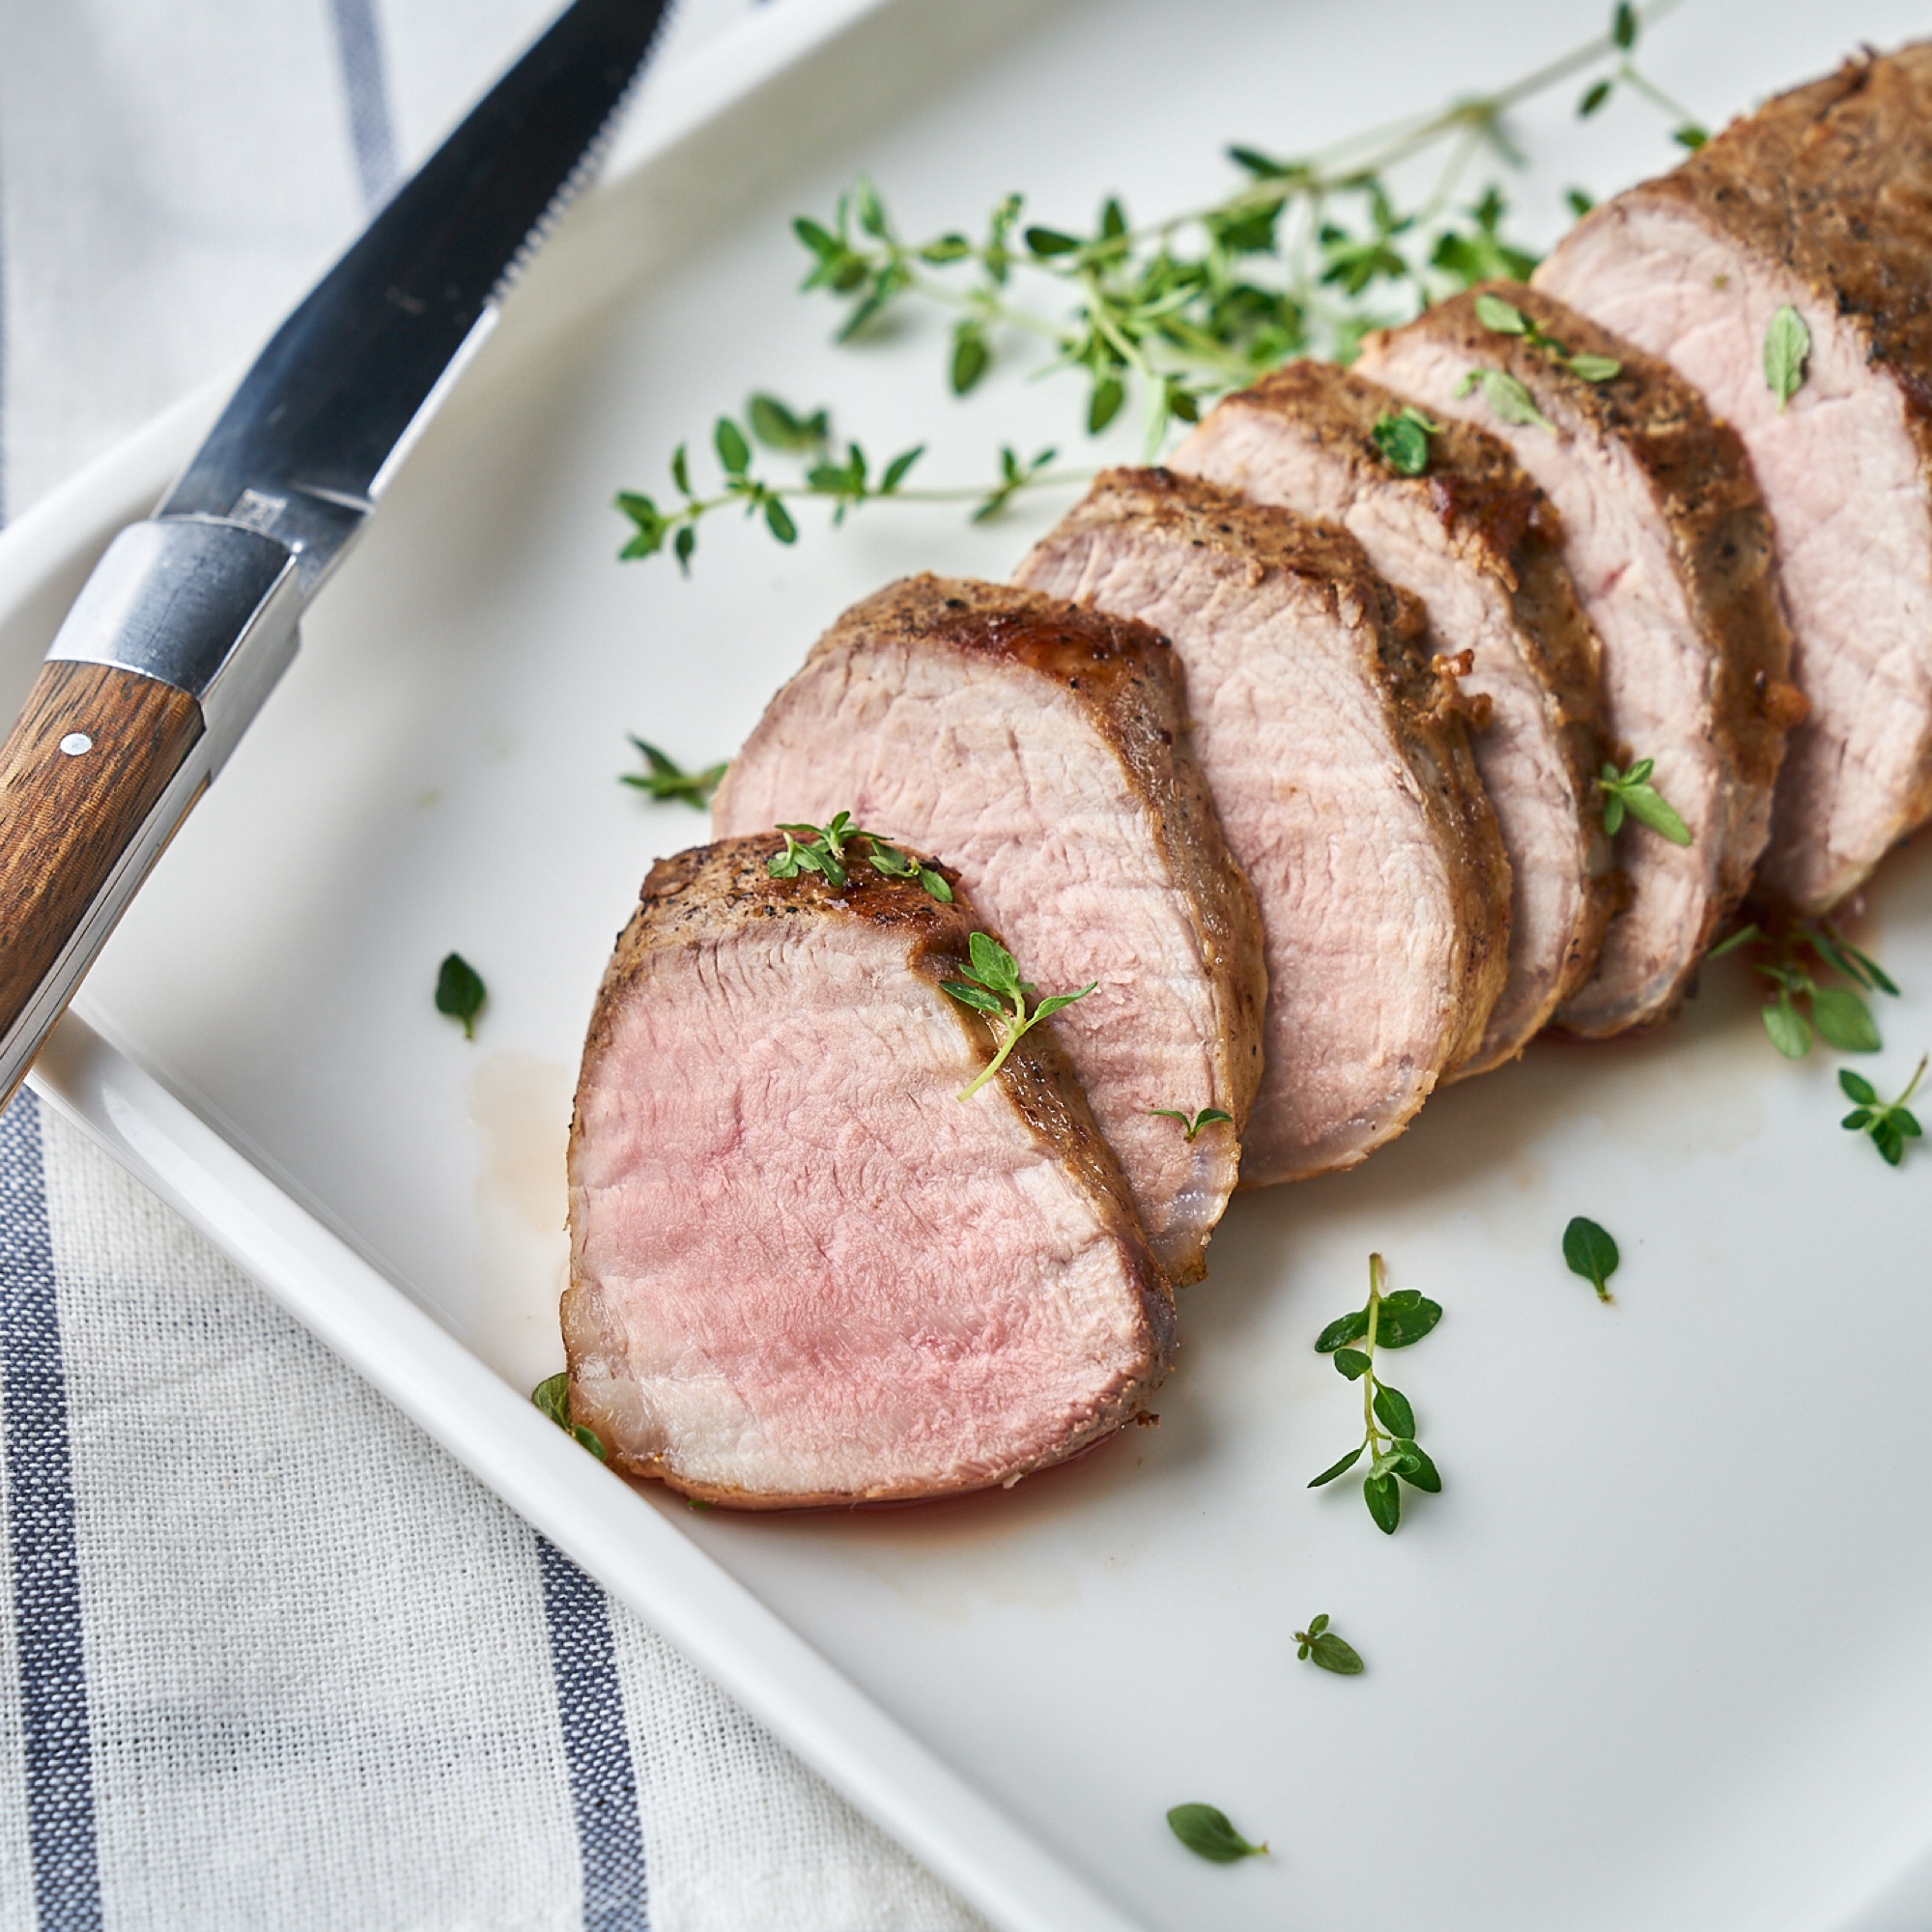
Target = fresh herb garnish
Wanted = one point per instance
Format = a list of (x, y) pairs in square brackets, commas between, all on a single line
[(1633, 792), (1788, 346), (1795, 954), (1192, 1123), (460, 992), (1624, 24), (1208, 1834), (1403, 438), (1303, 256), (1319, 1644), (1590, 1252), (664, 778), (821, 849), (1504, 318), (1890, 1124), (997, 990), (1508, 400), (1395, 1320), (844, 482), (552, 1395)]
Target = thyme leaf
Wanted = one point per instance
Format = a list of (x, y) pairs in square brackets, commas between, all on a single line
[(1589, 1251), (663, 778), (1208, 1834), (1509, 400), (1403, 438), (1788, 346), (551, 1396), (1192, 1123), (1389, 1320), (1633, 792), (996, 990), (460, 992), (1890, 1124), (1318, 1645)]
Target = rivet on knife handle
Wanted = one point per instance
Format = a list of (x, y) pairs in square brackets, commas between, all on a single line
[(162, 661)]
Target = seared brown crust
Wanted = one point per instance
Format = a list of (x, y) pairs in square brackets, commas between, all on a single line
[(1702, 483), (1132, 683), (1834, 180), (1700, 479), (1430, 727), (694, 899), (1502, 524)]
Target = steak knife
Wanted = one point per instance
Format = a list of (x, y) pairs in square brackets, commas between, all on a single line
[(190, 616)]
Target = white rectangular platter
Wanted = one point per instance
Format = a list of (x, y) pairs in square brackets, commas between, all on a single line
[(1654, 1658)]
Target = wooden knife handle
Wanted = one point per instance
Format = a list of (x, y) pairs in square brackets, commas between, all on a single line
[(80, 775)]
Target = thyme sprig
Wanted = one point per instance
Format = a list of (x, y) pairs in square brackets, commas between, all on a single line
[(1318, 1645), (1395, 1320), (665, 778), (844, 482), (1302, 257), (996, 989), (1889, 1122), (822, 849), (1790, 957), (1690, 132), (1631, 792), (1503, 318)]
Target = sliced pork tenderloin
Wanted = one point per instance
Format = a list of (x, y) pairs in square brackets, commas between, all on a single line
[(1341, 771), (1479, 545), (1669, 546), (1043, 752), (802, 1270), (1821, 201)]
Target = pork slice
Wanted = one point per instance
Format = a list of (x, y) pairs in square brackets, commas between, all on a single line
[(1479, 544), (803, 1269), (1823, 201), (1343, 774), (1043, 752), (1668, 543)]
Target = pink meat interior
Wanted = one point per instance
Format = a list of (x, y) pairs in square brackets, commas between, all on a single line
[(801, 1265)]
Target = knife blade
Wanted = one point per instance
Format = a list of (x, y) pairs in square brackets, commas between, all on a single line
[(190, 616)]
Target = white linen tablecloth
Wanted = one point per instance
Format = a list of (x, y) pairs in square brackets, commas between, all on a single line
[(267, 1657)]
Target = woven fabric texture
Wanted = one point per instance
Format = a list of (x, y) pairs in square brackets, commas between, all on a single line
[(268, 1657)]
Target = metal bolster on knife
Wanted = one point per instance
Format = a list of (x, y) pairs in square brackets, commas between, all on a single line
[(204, 605)]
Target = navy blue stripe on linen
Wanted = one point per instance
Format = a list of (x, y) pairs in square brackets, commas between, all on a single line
[(596, 1747), (40, 1542), (366, 81)]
